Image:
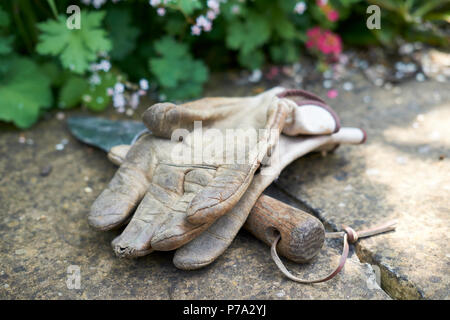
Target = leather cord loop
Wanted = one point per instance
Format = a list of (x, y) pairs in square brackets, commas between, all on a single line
[(349, 236)]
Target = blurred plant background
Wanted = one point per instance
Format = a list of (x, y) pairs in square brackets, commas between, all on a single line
[(126, 49)]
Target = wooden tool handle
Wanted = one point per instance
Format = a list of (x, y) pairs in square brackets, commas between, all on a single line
[(302, 235)]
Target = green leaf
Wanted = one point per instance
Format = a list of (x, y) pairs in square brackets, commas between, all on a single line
[(5, 64), (249, 34), (54, 73), (123, 33), (284, 28), (5, 41), (347, 3), (23, 93), (189, 6), (286, 52), (428, 6), (76, 48), (280, 24), (72, 92), (175, 26), (4, 18), (169, 48), (253, 60), (6, 45), (177, 72)]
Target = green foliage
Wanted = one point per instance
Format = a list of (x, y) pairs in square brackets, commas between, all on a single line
[(259, 26), (40, 57), (286, 52), (411, 21), (76, 48), (71, 92), (96, 97), (24, 92), (179, 75), (248, 34), (122, 32), (187, 6), (6, 41)]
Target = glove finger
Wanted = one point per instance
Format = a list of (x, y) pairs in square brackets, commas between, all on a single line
[(163, 210), (312, 119), (163, 118), (310, 115), (118, 154), (177, 230), (212, 242), (114, 205), (344, 136), (221, 194)]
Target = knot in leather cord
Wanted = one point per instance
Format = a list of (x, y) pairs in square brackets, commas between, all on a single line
[(352, 235), (349, 236)]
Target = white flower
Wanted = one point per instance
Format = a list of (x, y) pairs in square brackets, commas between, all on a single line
[(143, 84), (98, 3), (118, 101), (207, 27), (255, 76), (235, 9), (95, 79), (161, 12), (119, 88), (300, 7), (155, 3), (105, 65), (201, 21), (134, 100), (211, 15), (214, 5), (195, 30)]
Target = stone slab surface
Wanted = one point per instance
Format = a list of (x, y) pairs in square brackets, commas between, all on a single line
[(44, 231), (402, 172)]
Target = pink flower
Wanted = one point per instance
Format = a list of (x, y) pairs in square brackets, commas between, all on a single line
[(328, 10), (330, 43), (273, 72), (333, 93), (333, 15), (324, 41), (314, 32), (313, 35)]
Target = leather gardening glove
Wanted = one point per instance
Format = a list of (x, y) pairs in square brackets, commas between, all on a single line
[(313, 117), (209, 245), (177, 200)]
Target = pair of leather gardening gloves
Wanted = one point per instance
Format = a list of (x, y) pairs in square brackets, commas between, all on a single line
[(190, 182)]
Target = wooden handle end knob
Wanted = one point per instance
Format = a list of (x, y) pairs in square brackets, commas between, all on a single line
[(302, 235)]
